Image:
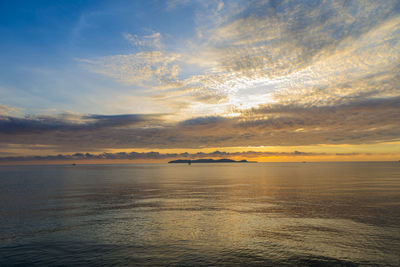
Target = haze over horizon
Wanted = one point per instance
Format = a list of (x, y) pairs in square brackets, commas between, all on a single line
[(263, 80)]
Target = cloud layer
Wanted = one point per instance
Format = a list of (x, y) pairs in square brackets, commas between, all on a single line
[(163, 156), (250, 73), (367, 121), (254, 52)]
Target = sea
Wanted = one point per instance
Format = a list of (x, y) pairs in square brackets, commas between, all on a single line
[(216, 214)]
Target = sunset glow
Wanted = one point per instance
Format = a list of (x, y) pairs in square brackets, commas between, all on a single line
[(262, 80)]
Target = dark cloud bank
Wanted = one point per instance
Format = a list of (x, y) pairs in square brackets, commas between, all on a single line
[(360, 122), (160, 156)]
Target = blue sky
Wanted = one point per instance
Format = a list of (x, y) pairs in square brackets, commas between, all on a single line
[(41, 41), (89, 76)]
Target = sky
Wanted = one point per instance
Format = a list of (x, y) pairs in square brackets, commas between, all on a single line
[(152, 80)]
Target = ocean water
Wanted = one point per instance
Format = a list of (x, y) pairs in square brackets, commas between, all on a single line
[(269, 214)]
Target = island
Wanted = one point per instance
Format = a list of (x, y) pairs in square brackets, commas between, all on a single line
[(188, 161)]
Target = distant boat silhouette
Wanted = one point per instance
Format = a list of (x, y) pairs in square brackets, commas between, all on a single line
[(73, 164)]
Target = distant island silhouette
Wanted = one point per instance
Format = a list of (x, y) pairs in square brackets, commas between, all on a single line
[(188, 161)]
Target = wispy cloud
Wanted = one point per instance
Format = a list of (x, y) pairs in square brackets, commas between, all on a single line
[(7, 110), (143, 68), (173, 4), (147, 42)]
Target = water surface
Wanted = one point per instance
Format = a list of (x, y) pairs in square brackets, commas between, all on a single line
[(306, 214)]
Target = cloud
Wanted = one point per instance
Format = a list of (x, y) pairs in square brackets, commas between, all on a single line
[(309, 52), (147, 42), (153, 155), (173, 4), (252, 73), (7, 110), (202, 121), (143, 68), (157, 155), (362, 122), (67, 122)]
